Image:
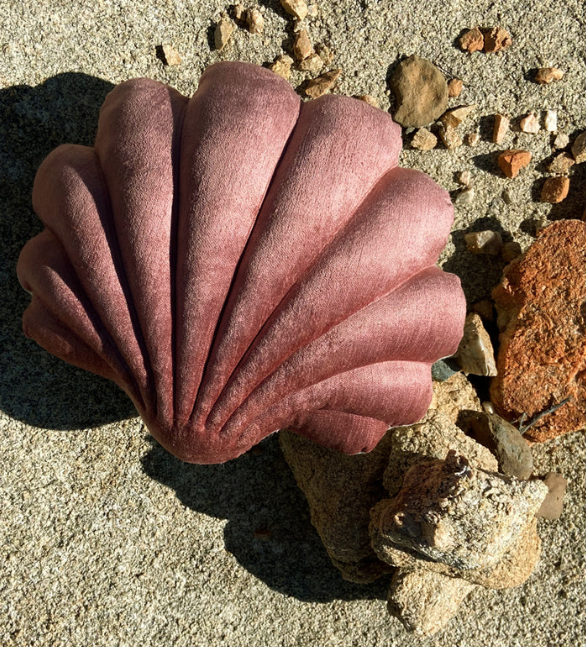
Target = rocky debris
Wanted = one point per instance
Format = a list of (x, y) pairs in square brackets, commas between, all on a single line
[(579, 148), (561, 164), (561, 141), (472, 40), (443, 369), (421, 92), (475, 353), (424, 140), (454, 117), (255, 21), (546, 75), (512, 161), (322, 84), (510, 251), (542, 355), (530, 124), (425, 601), (296, 8), (472, 139), (222, 34), (550, 121), (340, 490), (302, 47), (452, 513), (485, 309), (312, 10), (169, 55), (500, 129), (465, 197), (497, 39), (484, 242), (450, 137), (555, 189), (367, 98), (503, 440), (431, 439), (452, 396), (553, 504), (325, 53), (455, 87), (312, 64), (282, 66), (464, 177), (239, 13)]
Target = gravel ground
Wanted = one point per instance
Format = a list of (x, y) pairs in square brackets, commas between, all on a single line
[(105, 539)]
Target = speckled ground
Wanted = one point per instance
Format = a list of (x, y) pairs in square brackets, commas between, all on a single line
[(105, 539)]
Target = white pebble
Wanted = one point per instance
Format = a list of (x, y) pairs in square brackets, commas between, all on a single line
[(465, 197), (551, 121)]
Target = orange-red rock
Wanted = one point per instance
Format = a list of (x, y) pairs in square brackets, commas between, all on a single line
[(496, 39), (512, 161), (542, 318), (472, 40), (555, 189)]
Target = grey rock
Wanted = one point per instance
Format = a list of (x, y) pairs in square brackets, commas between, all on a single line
[(443, 369), (453, 396), (553, 504), (475, 353)]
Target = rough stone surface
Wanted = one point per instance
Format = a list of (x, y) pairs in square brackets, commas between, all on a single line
[(512, 161), (466, 197), (296, 8), (553, 504), (530, 124), (497, 39), (461, 516), (424, 140), (455, 87), (561, 164), (546, 75), (512, 451), (443, 370), (500, 128), (302, 46), (170, 55), (475, 353), (282, 66), (464, 177), (450, 137), (550, 121), (420, 90), (340, 490), (431, 439), (223, 32), (555, 189), (472, 40), (322, 84), (542, 355), (472, 139), (313, 64), (561, 141), (454, 395), (579, 148), (425, 601), (255, 21), (455, 116), (484, 242)]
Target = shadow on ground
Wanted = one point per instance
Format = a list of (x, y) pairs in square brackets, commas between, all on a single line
[(34, 386), (269, 530)]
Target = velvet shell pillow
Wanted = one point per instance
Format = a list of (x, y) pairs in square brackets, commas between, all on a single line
[(242, 261)]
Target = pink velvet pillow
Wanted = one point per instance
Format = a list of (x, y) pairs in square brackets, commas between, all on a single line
[(242, 261)]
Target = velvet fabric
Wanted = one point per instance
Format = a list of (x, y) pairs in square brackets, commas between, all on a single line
[(242, 261)]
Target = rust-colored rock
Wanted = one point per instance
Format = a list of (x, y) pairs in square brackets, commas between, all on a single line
[(322, 84), (512, 161), (542, 319), (472, 40), (500, 129), (555, 189), (496, 39)]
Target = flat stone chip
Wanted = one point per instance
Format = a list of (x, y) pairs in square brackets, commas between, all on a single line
[(541, 303)]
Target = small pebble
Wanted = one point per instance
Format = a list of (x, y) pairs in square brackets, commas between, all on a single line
[(424, 140), (507, 197), (472, 139), (472, 40), (255, 21), (484, 242), (312, 64), (455, 88), (488, 407), (555, 189), (485, 309), (450, 137), (497, 39), (500, 129), (239, 12), (282, 66), (465, 197), (475, 353), (553, 504), (312, 10), (530, 124), (222, 33), (367, 98), (561, 141), (322, 84), (561, 164), (545, 75), (550, 121), (302, 46), (296, 8), (325, 53), (464, 177), (510, 251), (512, 161), (170, 55), (453, 118), (579, 148)]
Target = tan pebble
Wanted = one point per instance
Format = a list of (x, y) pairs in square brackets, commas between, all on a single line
[(255, 21), (561, 164), (472, 139), (465, 197), (453, 118), (579, 148), (312, 64), (322, 84), (239, 12), (282, 66), (312, 10), (170, 55), (510, 251), (325, 53), (561, 141), (296, 8), (475, 353), (545, 75), (472, 40), (302, 46), (500, 129), (367, 98), (485, 309), (530, 124), (484, 242), (555, 189), (222, 33), (550, 121), (497, 39), (553, 504), (424, 140), (464, 177), (512, 161), (455, 88), (450, 137)]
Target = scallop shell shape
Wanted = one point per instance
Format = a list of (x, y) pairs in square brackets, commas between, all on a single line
[(242, 261)]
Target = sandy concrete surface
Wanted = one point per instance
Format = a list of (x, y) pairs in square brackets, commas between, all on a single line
[(105, 539)]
